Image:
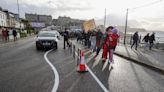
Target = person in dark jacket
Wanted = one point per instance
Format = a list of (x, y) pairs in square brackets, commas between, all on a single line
[(14, 34), (146, 40), (151, 40), (66, 37), (135, 40), (87, 38), (7, 34), (99, 35)]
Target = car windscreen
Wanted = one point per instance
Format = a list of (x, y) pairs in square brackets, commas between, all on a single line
[(46, 35)]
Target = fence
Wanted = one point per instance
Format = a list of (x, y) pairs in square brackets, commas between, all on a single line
[(158, 44)]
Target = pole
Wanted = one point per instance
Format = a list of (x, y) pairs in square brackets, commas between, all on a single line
[(18, 14), (126, 23), (105, 18)]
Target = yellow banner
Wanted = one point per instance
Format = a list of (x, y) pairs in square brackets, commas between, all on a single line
[(89, 25)]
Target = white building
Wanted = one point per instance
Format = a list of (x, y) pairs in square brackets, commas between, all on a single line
[(17, 25), (3, 19)]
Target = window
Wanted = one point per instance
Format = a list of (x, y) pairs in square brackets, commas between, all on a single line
[(1, 23)]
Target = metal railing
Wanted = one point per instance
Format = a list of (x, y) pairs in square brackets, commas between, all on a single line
[(158, 44)]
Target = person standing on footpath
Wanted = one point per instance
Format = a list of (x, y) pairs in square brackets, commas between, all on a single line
[(99, 35), (66, 37), (88, 38), (14, 34), (93, 40), (146, 40), (3, 34), (151, 40), (135, 40), (7, 34)]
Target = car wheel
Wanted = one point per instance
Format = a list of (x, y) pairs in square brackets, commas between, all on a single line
[(56, 46)]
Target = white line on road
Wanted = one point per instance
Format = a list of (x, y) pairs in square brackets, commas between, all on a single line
[(56, 80), (95, 77)]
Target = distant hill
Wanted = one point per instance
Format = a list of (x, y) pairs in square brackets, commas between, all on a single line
[(122, 29)]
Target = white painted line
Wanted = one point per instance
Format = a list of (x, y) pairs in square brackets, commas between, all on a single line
[(97, 80), (105, 65), (56, 80)]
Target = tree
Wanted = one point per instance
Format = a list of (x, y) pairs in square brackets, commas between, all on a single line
[(27, 25)]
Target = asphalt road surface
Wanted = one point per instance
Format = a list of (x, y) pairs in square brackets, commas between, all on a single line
[(24, 69)]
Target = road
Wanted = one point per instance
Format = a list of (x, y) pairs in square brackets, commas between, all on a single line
[(24, 69)]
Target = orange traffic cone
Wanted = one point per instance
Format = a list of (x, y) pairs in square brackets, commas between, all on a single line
[(82, 66)]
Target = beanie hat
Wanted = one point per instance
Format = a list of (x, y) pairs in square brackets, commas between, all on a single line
[(114, 30)]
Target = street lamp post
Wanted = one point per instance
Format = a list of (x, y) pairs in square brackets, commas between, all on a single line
[(126, 23), (19, 14), (105, 18)]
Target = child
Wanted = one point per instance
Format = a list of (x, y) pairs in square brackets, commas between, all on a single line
[(112, 40)]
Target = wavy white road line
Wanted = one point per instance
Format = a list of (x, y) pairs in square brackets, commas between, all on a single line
[(95, 77), (56, 80)]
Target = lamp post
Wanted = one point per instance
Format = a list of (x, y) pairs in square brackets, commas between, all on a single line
[(105, 18), (18, 14), (126, 23)]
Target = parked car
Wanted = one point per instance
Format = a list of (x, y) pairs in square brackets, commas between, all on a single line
[(47, 39)]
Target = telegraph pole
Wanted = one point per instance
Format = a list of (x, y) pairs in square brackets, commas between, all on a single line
[(126, 23), (105, 18), (18, 14)]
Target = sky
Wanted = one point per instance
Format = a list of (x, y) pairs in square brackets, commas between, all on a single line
[(146, 14)]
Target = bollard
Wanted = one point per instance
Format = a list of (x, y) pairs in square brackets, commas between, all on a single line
[(71, 47), (74, 51)]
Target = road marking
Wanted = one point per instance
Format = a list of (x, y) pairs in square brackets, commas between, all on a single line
[(95, 77), (56, 81), (97, 60)]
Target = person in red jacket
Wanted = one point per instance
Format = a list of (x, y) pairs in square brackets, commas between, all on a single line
[(106, 43), (112, 41)]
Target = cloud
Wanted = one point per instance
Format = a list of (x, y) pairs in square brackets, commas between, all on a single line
[(147, 23), (53, 7), (87, 9), (117, 20)]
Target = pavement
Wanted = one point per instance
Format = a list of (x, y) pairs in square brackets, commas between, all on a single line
[(152, 58), (11, 41), (24, 69), (126, 76)]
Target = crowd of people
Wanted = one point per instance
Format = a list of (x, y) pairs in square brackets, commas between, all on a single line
[(5, 34), (97, 40), (148, 40)]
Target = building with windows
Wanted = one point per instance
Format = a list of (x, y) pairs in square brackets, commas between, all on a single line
[(46, 19), (67, 22), (3, 18)]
